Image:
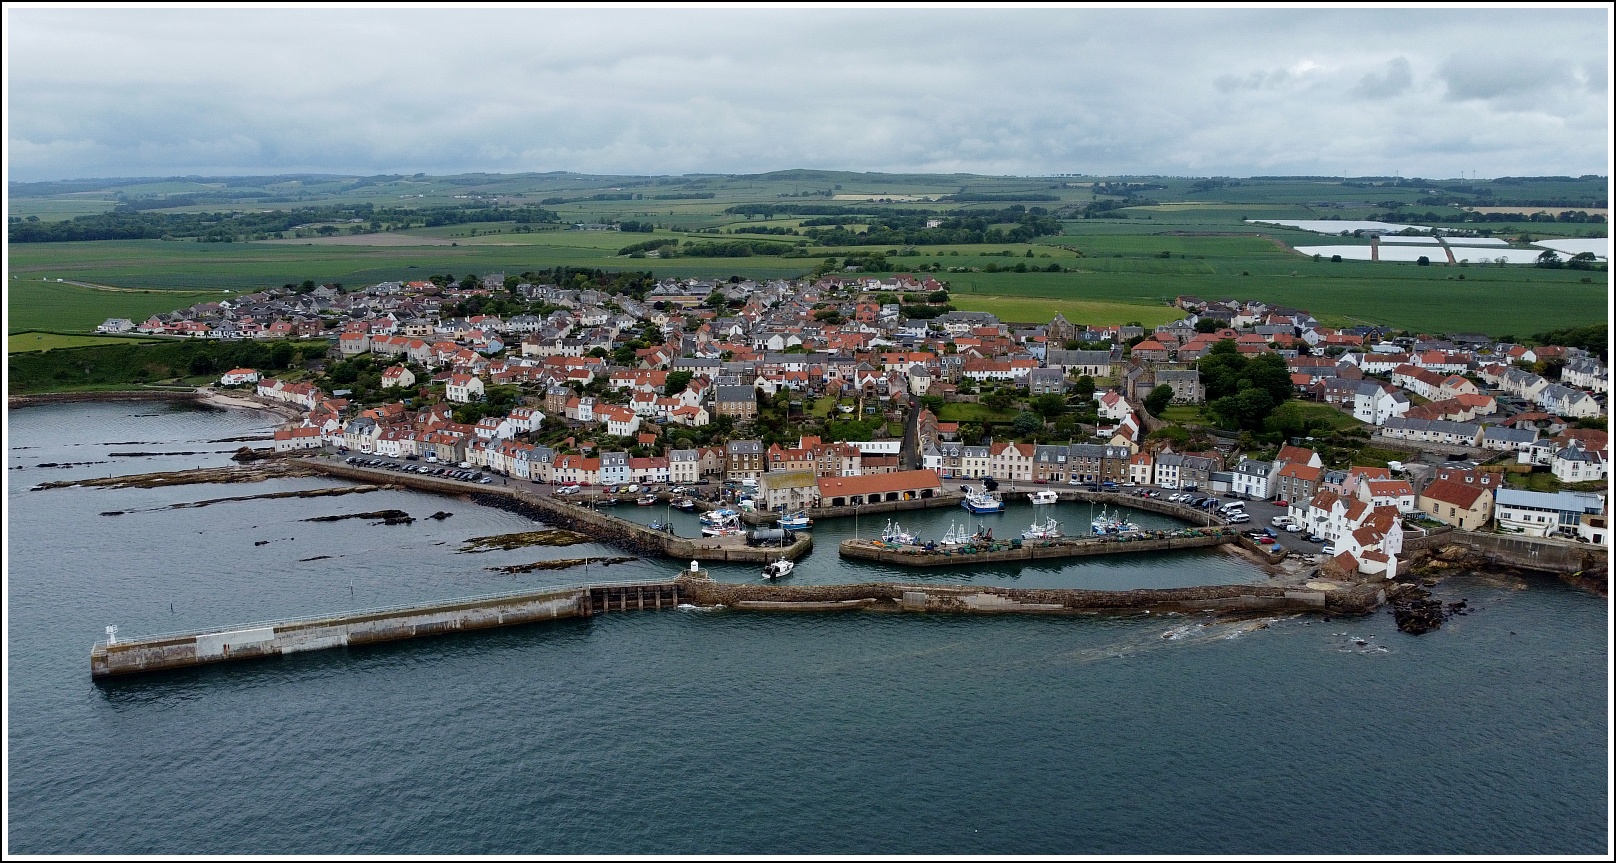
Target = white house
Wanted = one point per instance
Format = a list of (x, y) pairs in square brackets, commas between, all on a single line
[(398, 376), (238, 376), (1250, 477), (1573, 463), (1538, 513), (463, 388)]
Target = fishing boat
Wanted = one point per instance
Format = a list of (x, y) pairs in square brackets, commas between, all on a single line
[(798, 520), (647, 500), (1105, 524), (982, 502), (959, 535), (1049, 529), (1043, 497), (779, 569), (684, 504), (894, 534), (720, 522)]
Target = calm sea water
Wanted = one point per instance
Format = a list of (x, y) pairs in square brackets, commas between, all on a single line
[(698, 731)]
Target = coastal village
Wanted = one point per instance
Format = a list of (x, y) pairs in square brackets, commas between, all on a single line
[(696, 381)]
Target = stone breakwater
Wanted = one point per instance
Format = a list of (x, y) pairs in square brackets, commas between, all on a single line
[(280, 638), (1015, 551), (1356, 599)]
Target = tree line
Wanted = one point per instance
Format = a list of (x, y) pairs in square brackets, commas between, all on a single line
[(127, 223)]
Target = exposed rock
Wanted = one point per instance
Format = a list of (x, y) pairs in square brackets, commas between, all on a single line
[(564, 563), (508, 541), (389, 516), (231, 474), (440, 515)]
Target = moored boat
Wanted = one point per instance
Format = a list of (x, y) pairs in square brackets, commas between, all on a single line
[(779, 569), (1049, 529), (798, 520), (894, 534), (982, 502), (1043, 497)]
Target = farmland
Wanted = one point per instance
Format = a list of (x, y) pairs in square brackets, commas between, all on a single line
[(36, 305), (36, 341), (1090, 312), (1159, 238)]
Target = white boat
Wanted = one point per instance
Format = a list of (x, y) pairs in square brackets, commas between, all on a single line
[(798, 520), (720, 522), (779, 569), (719, 516), (1042, 497), (1050, 529), (894, 534), (982, 502)]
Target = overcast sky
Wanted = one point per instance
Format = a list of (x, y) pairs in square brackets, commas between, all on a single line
[(1435, 92)]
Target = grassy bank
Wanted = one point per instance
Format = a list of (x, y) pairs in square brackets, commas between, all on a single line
[(132, 365)]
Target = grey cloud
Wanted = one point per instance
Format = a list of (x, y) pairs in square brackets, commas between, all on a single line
[(155, 91), (1490, 75), (1399, 76)]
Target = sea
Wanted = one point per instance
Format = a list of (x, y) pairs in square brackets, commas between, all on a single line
[(697, 731)]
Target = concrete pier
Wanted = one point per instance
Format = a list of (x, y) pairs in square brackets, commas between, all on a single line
[(252, 641)]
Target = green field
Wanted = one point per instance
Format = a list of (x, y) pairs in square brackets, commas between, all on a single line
[(1091, 312), (36, 305), (1115, 269), (35, 341)]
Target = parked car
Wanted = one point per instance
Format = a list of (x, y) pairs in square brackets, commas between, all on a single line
[(1329, 549)]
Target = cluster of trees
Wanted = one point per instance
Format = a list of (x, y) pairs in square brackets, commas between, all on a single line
[(636, 227), (776, 230), (1594, 339), (1243, 391), (1466, 216), (1550, 260), (126, 223), (729, 249), (973, 226)]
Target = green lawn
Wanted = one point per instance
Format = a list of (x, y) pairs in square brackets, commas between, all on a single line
[(1183, 415), (973, 412), (1337, 419)]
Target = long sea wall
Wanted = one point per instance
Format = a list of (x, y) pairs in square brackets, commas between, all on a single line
[(606, 528)]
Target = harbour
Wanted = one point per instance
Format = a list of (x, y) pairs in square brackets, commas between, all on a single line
[(576, 733)]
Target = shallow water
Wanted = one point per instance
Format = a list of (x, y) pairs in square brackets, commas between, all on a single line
[(723, 731)]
